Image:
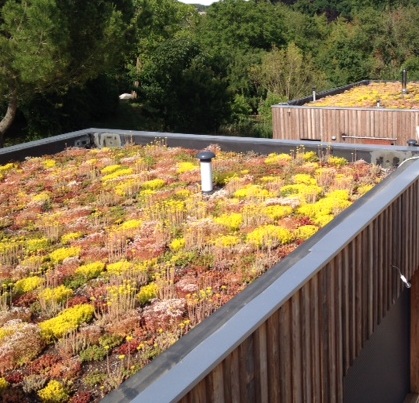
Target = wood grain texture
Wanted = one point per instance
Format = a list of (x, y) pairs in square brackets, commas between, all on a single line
[(302, 352), (414, 334), (351, 125)]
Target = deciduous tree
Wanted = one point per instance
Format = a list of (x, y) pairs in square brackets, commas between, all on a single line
[(288, 73), (184, 87)]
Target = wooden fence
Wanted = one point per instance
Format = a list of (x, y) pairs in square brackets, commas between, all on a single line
[(292, 335), (349, 125)]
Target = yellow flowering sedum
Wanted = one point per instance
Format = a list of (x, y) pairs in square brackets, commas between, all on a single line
[(37, 244), (304, 179), (118, 268), (91, 270), (310, 156), (269, 236), (252, 192), (121, 298), (322, 220), (55, 294), (332, 205), (54, 392), (49, 163), (276, 212), (153, 184), (337, 161), (273, 158), (323, 211), (130, 225), (268, 179), (305, 231), (341, 194), (117, 174), (232, 221), (147, 293), (71, 236), (177, 244), (183, 167), (361, 190), (58, 255), (110, 169), (306, 193), (128, 187), (7, 167), (198, 297), (182, 194), (10, 246), (68, 320), (3, 384), (227, 241), (41, 198), (28, 284)]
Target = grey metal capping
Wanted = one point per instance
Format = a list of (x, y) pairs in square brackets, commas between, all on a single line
[(180, 368), (333, 91), (383, 155), (303, 106), (322, 94), (45, 146)]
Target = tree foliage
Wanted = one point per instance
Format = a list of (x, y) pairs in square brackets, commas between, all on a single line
[(288, 73), (246, 25), (48, 46), (185, 88), (343, 57), (193, 71)]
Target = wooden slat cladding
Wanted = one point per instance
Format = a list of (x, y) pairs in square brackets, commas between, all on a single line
[(302, 352), (349, 125), (414, 335)]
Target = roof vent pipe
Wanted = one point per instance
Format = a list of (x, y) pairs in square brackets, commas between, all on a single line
[(404, 81), (314, 94), (205, 158)]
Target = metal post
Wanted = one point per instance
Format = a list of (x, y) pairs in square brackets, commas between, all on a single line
[(404, 81), (205, 158)]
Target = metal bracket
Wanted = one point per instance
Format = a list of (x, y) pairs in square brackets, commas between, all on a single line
[(83, 142), (107, 140)]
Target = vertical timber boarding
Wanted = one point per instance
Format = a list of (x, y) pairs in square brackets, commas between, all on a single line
[(414, 335), (349, 125), (303, 350)]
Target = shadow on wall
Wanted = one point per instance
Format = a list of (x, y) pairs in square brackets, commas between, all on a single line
[(383, 361)]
